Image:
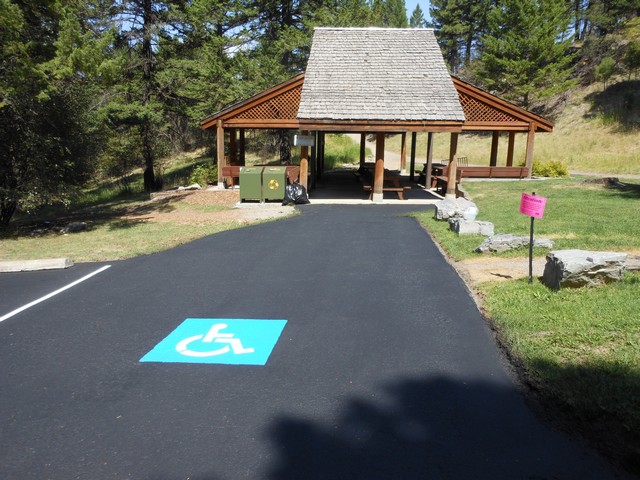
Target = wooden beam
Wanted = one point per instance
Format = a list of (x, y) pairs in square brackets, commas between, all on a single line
[(363, 149), (242, 147), (378, 178), (531, 136), (493, 160), (320, 154), (304, 162), (412, 162), (429, 159), (220, 152), (453, 166), (403, 152), (510, 148), (375, 126), (233, 147), (314, 162)]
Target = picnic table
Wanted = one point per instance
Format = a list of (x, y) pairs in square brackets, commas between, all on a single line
[(392, 182)]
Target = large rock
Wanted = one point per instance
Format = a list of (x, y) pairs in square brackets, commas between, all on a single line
[(578, 268), (506, 241), (470, 227), (453, 208)]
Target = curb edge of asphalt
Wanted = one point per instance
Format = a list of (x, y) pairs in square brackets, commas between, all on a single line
[(7, 266)]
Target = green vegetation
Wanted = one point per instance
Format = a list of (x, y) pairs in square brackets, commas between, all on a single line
[(550, 168), (111, 239), (341, 150), (578, 348), (577, 215)]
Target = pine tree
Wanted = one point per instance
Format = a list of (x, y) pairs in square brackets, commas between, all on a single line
[(523, 55), (397, 14), (47, 144), (417, 18), (459, 27)]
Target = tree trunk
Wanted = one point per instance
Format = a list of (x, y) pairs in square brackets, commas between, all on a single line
[(7, 209), (150, 181)]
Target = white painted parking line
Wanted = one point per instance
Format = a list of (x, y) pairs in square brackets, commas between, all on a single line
[(52, 294)]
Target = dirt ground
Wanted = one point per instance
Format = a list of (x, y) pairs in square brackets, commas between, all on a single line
[(165, 207)]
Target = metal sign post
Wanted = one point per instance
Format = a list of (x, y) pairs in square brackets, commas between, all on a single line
[(532, 206)]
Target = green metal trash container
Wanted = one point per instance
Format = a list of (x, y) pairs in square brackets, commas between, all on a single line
[(251, 183), (273, 182)]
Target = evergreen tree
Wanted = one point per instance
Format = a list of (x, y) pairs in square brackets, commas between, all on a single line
[(523, 55), (397, 14), (459, 27), (417, 18), (47, 143), (389, 13)]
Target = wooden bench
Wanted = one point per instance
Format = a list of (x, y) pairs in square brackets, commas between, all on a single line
[(399, 190), (440, 181), (494, 172), (231, 172), (391, 184)]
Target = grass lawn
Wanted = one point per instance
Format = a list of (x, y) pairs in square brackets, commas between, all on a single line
[(577, 215), (579, 348)]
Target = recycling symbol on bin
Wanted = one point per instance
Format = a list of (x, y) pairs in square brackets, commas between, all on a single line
[(273, 184)]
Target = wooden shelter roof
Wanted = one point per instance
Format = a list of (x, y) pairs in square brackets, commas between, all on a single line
[(484, 111), (376, 79), (377, 75), (277, 107)]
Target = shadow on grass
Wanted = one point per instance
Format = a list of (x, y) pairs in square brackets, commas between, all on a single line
[(95, 214), (624, 189), (421, 428), (601, 402), (618, 104)]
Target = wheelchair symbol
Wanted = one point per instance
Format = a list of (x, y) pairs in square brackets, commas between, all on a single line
[(213, 336)]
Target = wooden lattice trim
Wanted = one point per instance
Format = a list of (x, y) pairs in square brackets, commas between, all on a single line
[(282, 106), (478, 111)]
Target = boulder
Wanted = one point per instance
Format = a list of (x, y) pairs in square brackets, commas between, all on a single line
[(75, 227), (453, 208), (470, 227), (194, 186), (506, 241), (578, 268)]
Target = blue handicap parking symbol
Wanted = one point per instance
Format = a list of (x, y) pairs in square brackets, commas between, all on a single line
[(219, 340)]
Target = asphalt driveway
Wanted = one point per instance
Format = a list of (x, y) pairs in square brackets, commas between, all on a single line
[(384, 370)]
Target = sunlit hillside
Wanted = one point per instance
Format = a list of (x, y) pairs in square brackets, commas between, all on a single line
[(596, 130)]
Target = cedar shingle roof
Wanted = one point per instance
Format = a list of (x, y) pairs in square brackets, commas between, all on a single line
[(378, 74)]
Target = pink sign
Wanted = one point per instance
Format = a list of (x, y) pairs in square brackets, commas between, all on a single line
[(532, 205)]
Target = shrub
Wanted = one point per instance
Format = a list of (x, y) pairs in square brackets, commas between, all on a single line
[(203, 175), (551, 168)]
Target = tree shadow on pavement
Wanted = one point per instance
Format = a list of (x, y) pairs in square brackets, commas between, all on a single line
[(431, 429)]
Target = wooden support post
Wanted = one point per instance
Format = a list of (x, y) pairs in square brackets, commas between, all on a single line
[(453, 166), (363, 149), (512, 138), (412, 162), (378, 178), (304, 162), (429, 159), (403, 153), (531, 136), (320, 170), (220, 152), (233, 147), (242, 147), (314, 162), (493, 161)]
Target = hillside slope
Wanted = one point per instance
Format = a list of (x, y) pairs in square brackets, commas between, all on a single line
[(596, 130)]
